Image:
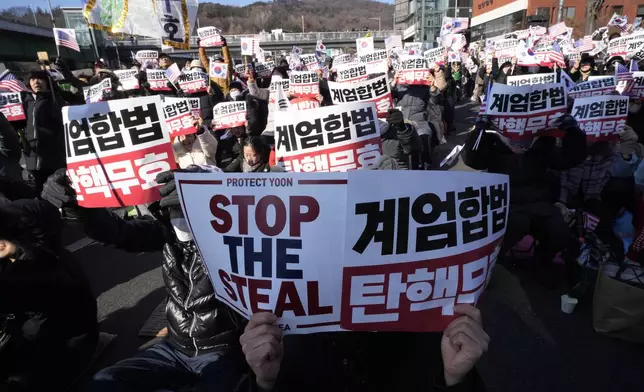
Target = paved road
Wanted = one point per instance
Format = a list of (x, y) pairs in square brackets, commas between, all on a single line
[(534, 346)]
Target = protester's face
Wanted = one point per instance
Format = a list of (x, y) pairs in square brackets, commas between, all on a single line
[(234, 93), (187, 140), (585, 67), (237, 131), (187, 64), (38, 84), (164, 62), (250, 155), (7, 249), (457, 67), (634, 106), (136, 68)]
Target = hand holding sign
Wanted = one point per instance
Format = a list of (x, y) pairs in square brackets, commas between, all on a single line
[(464, 342), (262, 347)]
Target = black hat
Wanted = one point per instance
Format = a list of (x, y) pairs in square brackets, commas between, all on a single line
[(236, 85), (163, 56), (587, 58), (38, 74)]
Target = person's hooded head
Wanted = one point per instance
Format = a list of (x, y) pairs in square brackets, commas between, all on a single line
[(29, 229), (39, 81), (164, 61), (136, 66), (280, 73)]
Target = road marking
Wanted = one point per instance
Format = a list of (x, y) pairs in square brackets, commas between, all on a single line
[(80, 244)]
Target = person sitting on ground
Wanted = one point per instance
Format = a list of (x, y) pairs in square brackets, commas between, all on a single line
[(532, 210), (365, 361), (201, 351), (48, 312), (196, 149)]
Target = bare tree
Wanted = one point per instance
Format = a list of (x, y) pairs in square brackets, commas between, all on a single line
[(593, 7)]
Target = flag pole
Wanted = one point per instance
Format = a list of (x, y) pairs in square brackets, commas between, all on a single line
[(51, 15)]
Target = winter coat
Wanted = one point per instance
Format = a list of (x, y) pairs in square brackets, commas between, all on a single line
[(529, 181), (197, 321), (44, 141), (264, 95), (394, 142), (229, 149), (47, 311), (223, 83), (207, 101), (413, 102), (203, 151), (10, 151)]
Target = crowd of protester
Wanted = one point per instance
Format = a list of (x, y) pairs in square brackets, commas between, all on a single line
[(48, 325)]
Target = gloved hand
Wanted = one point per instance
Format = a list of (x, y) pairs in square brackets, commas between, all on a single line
[(395, 117), (60, 64), (170, 197), (566, 122), (58, 190)]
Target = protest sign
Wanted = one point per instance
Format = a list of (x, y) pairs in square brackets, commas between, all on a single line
[(127, 79), (310, 61), (527, 111), (276, 83), (435, 56), (194, 82), (375, 61), (412, 254), (218, 70), (177, 113), (342, 59), (393, 41), (115, 150), (364, 45), (264, 69), (441, 258), (591, 88), (601, 117), (229, 115), (413, 48), (414, 71), (638, 87), (304, 84), (98, 92), (334, 138), (374, 90), (209, 37), (147, 58), (304, 103), (625, 46), (157, 80), (195, 106), (352, 73), (11, 106), (505, 49), (530, 79), (231, 218)]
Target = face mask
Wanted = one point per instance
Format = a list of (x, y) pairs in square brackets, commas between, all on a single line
[(234, 94)]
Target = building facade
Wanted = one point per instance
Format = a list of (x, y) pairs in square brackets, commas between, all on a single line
[(495, 17), (421, 20)]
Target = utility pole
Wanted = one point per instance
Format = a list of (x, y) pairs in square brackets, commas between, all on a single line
[(51, 14), (302, 23), (560, 11), (455, 9), (34, 15)]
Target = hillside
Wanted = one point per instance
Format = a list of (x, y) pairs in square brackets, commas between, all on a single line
[(320, 15)]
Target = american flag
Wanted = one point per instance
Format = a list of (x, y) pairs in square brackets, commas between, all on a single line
[(173, 72), (590, 221), (624, 79), (66, 38), (558, 29), (556, 56), (634, 66), (11, 83)]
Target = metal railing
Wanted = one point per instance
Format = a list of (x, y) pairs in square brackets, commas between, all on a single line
[(284, 37)]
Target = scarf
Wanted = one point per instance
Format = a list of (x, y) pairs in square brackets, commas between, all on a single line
[(248, 168)]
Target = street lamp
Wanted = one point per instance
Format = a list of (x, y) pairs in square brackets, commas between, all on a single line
[(379, 19)]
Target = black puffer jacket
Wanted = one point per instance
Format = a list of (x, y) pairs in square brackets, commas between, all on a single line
[(197, 321)]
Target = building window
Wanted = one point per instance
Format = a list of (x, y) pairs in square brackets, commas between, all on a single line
[(618, 9), (569, 12), (543, 12), (640, 11)]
